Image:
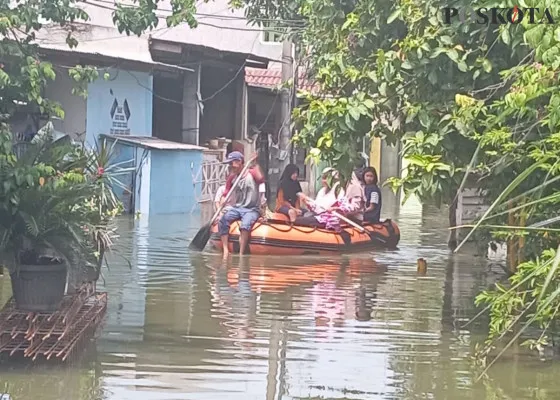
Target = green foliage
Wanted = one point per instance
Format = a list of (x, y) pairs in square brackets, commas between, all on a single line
[(532, 300), (56, 201), (395, 71), (463, 100)]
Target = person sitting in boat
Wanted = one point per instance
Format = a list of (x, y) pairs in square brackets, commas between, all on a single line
[(372, 195), (329, 203), (355, 194), (329, 193), (247, 207), (287, 199)]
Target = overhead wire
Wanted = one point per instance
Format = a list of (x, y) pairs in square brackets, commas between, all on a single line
[(92, 3), (216, 15), (120, 36), (210, 97)]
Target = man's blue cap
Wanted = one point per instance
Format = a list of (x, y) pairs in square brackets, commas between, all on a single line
[(234, 156)]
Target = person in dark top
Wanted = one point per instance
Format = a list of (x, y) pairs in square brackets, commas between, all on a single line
[(287, 199), (372, 195)]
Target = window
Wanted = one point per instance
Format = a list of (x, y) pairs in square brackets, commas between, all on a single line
[(272, 32)]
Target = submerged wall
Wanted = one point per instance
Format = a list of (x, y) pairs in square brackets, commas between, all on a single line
[(173, 190)]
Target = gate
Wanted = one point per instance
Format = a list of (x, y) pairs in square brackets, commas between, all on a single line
[(211, 175)]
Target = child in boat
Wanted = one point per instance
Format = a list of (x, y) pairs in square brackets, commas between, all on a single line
[(355, 195), (287, 200), (329, 194), (326, 203), (373, 196), (331, 191)]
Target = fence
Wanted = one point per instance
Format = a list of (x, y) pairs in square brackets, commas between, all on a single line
[(19, 149), (211, 175)]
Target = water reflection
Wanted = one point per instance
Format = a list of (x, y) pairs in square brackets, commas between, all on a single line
[(189, 326)]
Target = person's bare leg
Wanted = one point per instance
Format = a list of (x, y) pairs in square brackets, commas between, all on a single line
[(243, 240), (225, 246), (292, 214)]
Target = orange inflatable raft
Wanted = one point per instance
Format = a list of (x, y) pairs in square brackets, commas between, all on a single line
[(275, 236)]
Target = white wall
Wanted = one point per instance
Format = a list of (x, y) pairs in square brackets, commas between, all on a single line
[(221, 28), (74, 122)]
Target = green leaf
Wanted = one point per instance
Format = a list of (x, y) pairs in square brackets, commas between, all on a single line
[(383, 89), (424, 119), (505, 36), (462, 66), (354, 113), (406, 65), (487, 65), (446, 40), (437, 51), (369, 103), (394, 15), (349, 121), (433, 77), (453, 55)]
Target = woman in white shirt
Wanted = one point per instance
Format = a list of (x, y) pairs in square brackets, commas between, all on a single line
[(328, 195)]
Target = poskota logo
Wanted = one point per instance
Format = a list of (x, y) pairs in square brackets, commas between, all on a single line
[(498, 16)]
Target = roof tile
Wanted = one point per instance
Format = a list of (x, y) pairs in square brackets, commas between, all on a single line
[(272, 78)]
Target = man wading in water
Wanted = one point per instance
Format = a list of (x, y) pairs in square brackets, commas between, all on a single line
[(247, 201)]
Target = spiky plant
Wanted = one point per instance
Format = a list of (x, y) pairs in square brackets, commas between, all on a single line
[(56, 204)]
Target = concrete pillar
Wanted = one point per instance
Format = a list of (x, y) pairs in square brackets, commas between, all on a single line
[(390, 163), (241, 106), (191, 107), (375, 154)]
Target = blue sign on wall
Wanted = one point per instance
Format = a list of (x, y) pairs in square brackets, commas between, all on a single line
[(120, 105)]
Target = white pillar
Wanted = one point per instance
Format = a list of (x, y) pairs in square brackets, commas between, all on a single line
[(191, 106)]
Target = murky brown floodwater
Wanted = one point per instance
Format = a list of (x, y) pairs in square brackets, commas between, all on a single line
[(186, 326)]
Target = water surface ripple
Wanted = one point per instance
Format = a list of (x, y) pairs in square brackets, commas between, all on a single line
[(188, 326)]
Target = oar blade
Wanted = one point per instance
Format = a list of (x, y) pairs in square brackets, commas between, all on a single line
[(201, 238)]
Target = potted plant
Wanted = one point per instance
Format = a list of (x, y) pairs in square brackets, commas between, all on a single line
[(53, 219), (100, 210)]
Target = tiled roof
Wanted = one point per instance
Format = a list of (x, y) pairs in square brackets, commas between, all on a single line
[(272, 78)]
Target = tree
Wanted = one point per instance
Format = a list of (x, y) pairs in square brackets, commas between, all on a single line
[(468, 98), (396, 70)]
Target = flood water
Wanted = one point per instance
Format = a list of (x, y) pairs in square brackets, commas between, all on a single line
[(187, 326)]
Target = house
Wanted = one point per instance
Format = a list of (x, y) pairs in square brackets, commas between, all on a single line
[(265, 115), (176, 84), (192, 86)]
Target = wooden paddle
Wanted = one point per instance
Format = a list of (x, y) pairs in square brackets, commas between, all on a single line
[(202, 237), (343, 218), (355, 225), (349, 221)]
